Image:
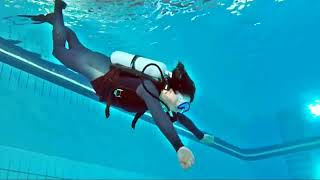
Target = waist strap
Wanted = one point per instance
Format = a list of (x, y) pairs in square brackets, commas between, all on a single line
[(112, 80)]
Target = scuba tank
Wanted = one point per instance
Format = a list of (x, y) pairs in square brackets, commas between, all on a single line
[(140, 64)]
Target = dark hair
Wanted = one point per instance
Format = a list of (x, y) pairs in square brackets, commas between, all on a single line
[(181, 81)]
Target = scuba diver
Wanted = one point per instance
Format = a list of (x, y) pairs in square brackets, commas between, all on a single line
[(129, 86)]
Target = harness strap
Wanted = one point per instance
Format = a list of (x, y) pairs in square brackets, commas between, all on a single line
[(112, 80), (107, 110), (174, 118), (136, 118)]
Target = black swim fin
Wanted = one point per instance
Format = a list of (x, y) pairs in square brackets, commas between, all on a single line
[(42, 18), (39, 19)]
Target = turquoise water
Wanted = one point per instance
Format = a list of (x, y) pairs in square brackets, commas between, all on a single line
[(254, 64)]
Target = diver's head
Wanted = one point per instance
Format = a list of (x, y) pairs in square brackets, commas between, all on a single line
[(181, 92), (181, 82)]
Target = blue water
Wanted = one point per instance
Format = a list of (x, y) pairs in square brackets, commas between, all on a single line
[(255, 65)]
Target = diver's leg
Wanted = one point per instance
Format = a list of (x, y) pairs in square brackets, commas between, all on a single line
[(77, 57), (76, 61), (73, 41), (74, 58), (72, 38), (96, 60), (59, 32)]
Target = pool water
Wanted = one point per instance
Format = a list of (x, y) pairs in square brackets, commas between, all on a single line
[(254, 63)]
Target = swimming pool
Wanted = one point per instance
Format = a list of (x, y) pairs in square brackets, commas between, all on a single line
[(254, 64)]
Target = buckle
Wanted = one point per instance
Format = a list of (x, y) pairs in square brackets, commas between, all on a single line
[(117, 92)]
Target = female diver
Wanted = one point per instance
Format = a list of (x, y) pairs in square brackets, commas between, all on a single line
[(127, 89)]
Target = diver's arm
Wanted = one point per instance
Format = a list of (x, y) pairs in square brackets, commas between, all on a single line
[(186, 122), (160, 117), (204, 138)]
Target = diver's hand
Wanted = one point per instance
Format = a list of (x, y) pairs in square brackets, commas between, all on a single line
[(186, 157), (207, 139)]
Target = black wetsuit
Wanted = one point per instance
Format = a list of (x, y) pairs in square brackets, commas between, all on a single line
[(77, 53)]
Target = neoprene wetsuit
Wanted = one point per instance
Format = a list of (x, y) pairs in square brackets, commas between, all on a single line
[(77, 53)]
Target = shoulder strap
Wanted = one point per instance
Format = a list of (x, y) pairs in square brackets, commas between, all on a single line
[(174, 118)]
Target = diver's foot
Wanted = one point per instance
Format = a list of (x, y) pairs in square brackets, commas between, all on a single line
[(59, 5)]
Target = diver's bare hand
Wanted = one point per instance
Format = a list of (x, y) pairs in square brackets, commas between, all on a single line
[(186, 157), (207, 139)]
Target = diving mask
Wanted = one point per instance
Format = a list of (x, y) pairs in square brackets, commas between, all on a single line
[(183, 104)]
